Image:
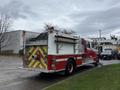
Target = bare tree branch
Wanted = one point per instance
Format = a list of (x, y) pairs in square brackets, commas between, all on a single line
[(50, 28), (4, 26)]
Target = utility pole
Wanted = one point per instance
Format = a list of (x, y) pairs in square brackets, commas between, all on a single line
[(24, 40), (99, 46), (100, 34)]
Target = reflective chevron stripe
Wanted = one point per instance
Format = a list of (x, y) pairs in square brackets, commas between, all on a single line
[(31, 63), (40, 66), (42, 58), (43, 63), (31, 49), (32, 54), (36, 63), (41, 52), (45, 49), (40, 63)]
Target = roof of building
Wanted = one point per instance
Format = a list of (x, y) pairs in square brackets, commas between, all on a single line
[(21, 31)]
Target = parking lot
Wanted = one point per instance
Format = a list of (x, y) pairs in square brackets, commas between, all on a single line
[(14, 78)]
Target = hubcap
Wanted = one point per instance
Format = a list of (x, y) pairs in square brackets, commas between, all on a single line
[(70, 68)]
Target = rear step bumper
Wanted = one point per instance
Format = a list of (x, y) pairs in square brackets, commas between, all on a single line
[(38, 70)]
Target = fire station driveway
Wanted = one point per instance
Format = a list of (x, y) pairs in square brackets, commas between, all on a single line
[(13, 78)]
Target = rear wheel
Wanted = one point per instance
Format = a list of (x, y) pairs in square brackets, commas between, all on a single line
[(70, 68), (96, 63)]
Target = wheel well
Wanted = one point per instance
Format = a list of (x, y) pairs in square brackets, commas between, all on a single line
[(71, 60)]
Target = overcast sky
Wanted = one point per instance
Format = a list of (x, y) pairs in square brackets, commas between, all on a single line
[(86, 17)]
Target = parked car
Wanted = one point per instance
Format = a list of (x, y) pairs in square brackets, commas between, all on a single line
[(106, 54), (114, 54)]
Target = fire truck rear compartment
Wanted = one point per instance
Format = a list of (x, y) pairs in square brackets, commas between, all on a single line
[(36, 52), (37, 57)]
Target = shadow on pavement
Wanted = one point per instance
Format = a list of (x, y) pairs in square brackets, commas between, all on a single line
[(42, 80), (52, 77)]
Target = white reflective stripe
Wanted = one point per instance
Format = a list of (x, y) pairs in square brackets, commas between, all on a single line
[(60, 60), (79, 57), (65, 59)]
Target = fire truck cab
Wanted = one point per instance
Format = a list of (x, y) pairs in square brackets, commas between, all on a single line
[(54, 51)]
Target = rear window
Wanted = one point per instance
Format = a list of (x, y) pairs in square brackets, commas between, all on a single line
[(108, 49)]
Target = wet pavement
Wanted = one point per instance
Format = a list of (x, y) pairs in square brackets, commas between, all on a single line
[(13, 78)]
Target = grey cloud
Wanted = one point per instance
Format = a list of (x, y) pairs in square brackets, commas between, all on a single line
[(107, 20), (85, 17), (16, 9)]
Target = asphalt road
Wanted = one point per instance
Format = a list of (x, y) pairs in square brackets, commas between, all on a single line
[(13, 78)]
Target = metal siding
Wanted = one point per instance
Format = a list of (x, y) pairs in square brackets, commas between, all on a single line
[(15, 40)]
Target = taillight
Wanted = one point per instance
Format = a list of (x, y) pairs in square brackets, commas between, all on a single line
[(53, 65)]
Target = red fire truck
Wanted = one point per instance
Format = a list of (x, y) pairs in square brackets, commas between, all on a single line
[(54, 51)]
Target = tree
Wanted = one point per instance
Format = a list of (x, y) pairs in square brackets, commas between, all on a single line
[(113, 37), (51, 28), (4, 26)]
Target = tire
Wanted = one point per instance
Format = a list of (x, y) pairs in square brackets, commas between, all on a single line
[(70, 68), (96, 63)]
